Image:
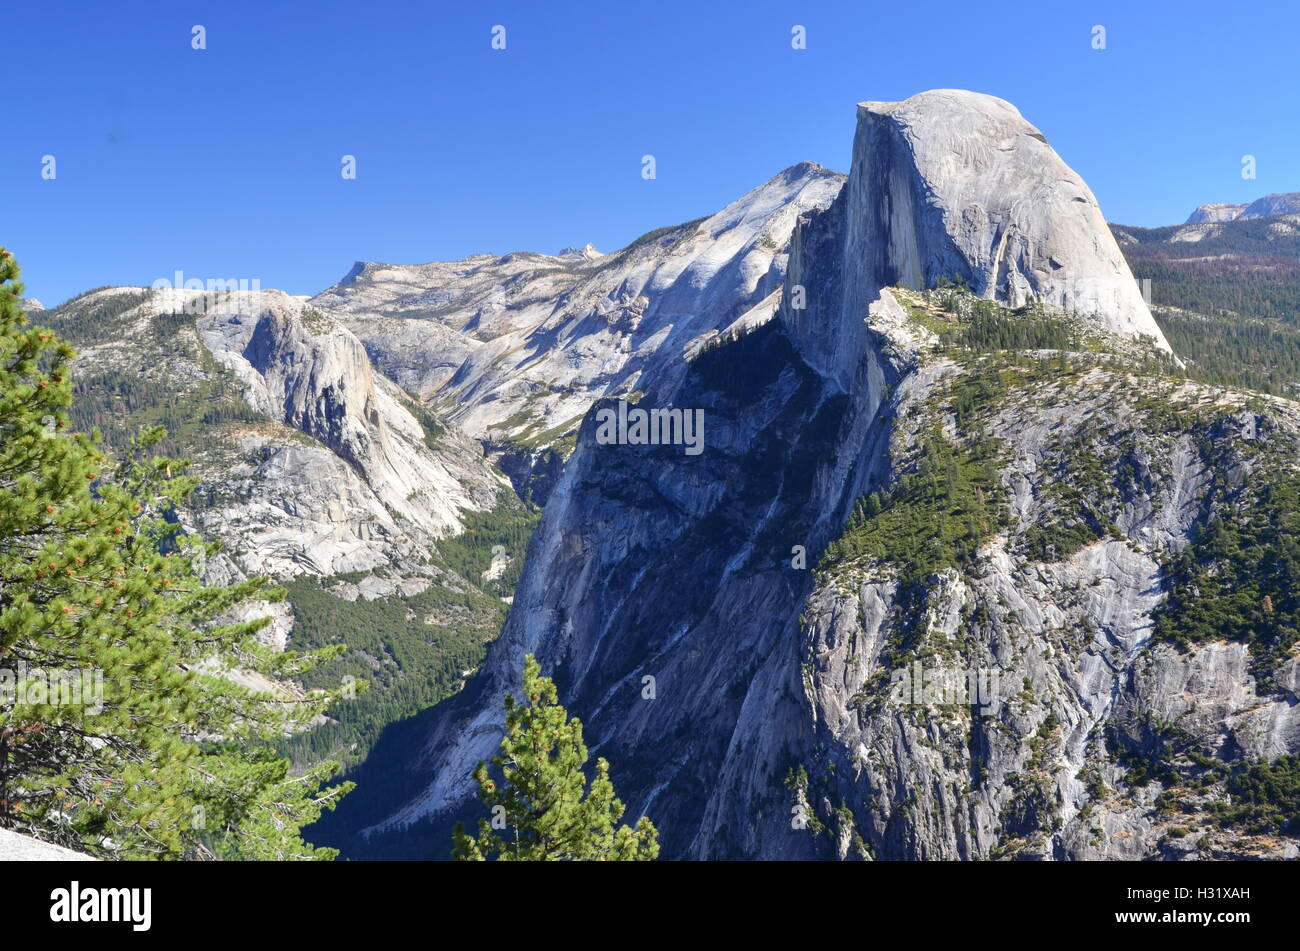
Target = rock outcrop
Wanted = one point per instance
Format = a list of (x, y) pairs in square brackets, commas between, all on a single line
[(21, 848), (1266, 207), (319, 381), (1214, 213), (323, 466)]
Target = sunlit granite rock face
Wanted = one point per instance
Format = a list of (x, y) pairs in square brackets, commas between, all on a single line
[(952, 184)]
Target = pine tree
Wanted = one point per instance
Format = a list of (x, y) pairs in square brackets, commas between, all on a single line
[(121, 733), (542, 796)]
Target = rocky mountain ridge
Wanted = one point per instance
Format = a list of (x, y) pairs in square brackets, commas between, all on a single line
[(518, 347), (317, 472), (1266, 207), (336, 469)]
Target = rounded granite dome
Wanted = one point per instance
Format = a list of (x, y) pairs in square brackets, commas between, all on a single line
[(951, 182)]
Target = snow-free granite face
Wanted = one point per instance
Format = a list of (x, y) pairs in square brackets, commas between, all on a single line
[(329, 470), (1214, 213), (951, 183), (520, 346)]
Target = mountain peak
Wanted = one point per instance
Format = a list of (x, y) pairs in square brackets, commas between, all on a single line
[(955, 183), (1214, 213), (585, 253), (1286, 203), (1283, 203), (804, 169)]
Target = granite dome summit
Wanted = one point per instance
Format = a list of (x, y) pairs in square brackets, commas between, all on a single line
[(955, 183)]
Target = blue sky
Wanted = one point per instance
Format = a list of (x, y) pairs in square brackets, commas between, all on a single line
[(225, 162)]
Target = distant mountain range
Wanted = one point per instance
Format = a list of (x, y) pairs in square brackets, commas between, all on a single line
[(1227, 295), (1266, 207)]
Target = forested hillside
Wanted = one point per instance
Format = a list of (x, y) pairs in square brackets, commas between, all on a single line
[(1227, 296)]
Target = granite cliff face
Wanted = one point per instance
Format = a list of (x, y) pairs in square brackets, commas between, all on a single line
[(1060, 602), (315, 376), (999, 481), (313, 463), (955, 184)]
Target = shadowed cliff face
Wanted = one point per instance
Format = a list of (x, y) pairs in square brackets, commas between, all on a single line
[(652, 563), (1027, 500)]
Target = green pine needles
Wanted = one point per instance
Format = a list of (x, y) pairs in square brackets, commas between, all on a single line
[(541, 809), (125, 731)]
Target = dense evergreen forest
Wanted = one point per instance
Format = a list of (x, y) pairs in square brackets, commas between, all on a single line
[(411, 650), (1229, 303)]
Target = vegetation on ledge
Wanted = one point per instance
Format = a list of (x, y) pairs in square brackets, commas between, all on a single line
[(934, 517), (1240, 580)]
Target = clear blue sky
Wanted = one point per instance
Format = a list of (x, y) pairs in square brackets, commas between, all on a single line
[(224, 163)]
